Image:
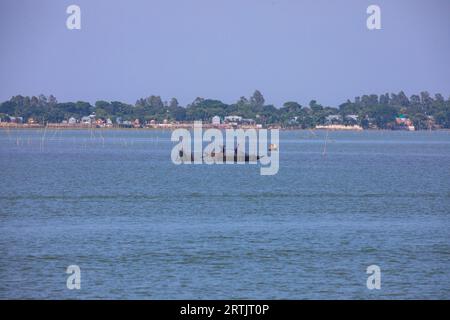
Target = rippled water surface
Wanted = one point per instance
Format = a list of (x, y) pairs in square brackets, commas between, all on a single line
[(112, 202)]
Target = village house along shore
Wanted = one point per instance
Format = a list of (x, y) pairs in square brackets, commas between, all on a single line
[(229, 122)]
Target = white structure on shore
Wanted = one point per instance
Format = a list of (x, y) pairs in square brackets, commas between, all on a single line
[(233, 119), (339, 127), (86, 120), (72, 120), (215, 120)]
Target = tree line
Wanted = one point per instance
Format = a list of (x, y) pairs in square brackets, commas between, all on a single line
[(368, 110)]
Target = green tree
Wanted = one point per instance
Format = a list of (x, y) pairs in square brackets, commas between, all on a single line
[(257, 99)]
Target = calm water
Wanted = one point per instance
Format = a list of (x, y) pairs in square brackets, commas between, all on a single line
[(140, 227)]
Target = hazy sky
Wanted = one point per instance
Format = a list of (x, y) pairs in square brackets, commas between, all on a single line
[(288, 49)]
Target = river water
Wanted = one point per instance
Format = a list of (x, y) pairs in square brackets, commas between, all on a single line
[(139, 227)]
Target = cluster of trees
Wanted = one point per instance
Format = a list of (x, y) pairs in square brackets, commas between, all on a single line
[(423, 109), (379, 111)]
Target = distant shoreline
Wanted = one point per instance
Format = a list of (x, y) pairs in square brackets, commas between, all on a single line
[(41, 127)]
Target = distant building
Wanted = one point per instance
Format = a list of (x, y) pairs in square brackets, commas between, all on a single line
[(352, 117), (401, 119), (86, 120), (404, 123), (233, 119), (334, 118), (16, 119), (248, 121), (215, 120), (293, 121), (72, 120)]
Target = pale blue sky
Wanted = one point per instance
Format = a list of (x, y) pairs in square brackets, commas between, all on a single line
[(288, 49)]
